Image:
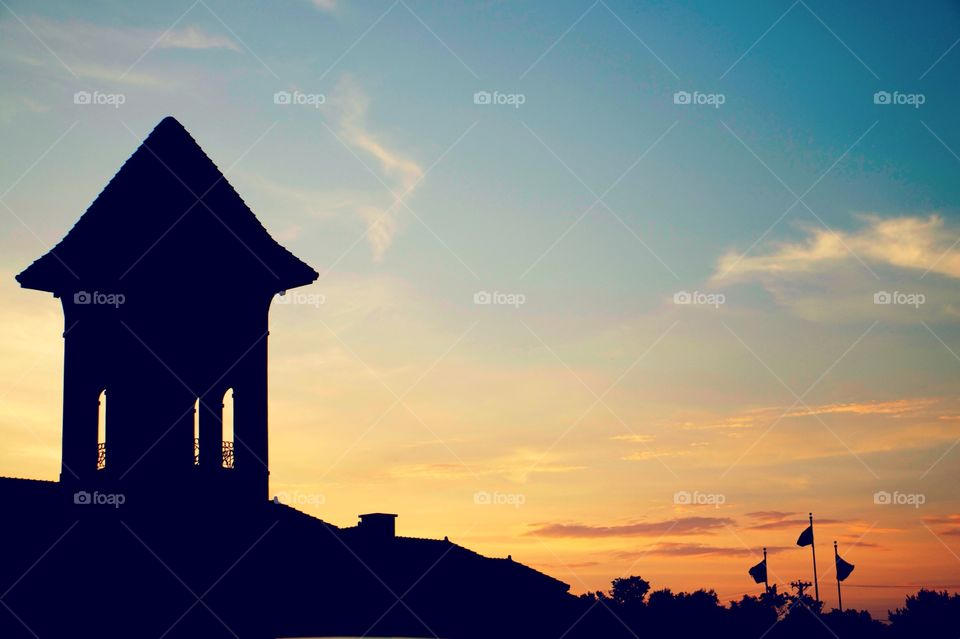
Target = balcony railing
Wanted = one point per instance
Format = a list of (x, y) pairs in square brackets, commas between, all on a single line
[(228, 454)]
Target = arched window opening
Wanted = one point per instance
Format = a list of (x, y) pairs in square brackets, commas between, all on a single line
[(102, 430), (227, 421), (196, 432)]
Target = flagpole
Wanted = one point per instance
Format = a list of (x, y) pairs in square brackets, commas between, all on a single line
[(766, 571), (836, 555), (813, 548)]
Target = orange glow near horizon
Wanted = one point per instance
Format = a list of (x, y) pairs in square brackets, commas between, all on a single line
[(584, 494)]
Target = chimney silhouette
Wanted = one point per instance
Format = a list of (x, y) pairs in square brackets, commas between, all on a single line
[(378, 525)]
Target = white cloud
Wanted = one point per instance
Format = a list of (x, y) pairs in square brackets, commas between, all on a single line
[(353, 105), (911, 242)]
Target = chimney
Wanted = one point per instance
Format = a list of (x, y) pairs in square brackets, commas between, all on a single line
[(378, 525)]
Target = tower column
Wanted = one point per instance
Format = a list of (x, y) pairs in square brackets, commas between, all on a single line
[(211, 431), (80, 411), (251, 438)]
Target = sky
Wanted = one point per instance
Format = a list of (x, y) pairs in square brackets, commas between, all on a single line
[(614, 287)]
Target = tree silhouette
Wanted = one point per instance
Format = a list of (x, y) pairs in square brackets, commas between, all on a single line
[(631, 609), (928, 613), (628, 591)]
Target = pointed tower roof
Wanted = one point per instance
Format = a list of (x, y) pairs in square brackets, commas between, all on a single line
[(168, 214)]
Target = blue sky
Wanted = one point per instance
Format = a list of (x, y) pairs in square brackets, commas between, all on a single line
[(599, 98), (503, 198)]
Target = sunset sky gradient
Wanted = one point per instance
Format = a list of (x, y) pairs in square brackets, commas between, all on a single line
[(583, 411)]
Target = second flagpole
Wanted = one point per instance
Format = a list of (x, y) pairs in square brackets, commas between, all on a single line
[(836, 555), (766, 572), (813, 548)]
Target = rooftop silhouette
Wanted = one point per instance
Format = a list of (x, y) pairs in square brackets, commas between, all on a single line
[(161, 523)]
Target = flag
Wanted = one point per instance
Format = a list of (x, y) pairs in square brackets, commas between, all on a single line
[(759, 572), (843, 569), (806, 537)]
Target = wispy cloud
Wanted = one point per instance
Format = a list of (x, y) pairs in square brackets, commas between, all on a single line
[(776, 520), (636, 439), (516, 466), (677, 549), (351, 104), (325, 5), (647, 455), (195, 38), (348, 106), (892, 407), (10, 105), (678, 526), (770, 515), (103, 53), (647, 452), (88, 36), (910, 242), (763, 416), (948, 524)]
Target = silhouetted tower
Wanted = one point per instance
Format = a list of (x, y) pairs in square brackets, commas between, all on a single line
[(166, 283)]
